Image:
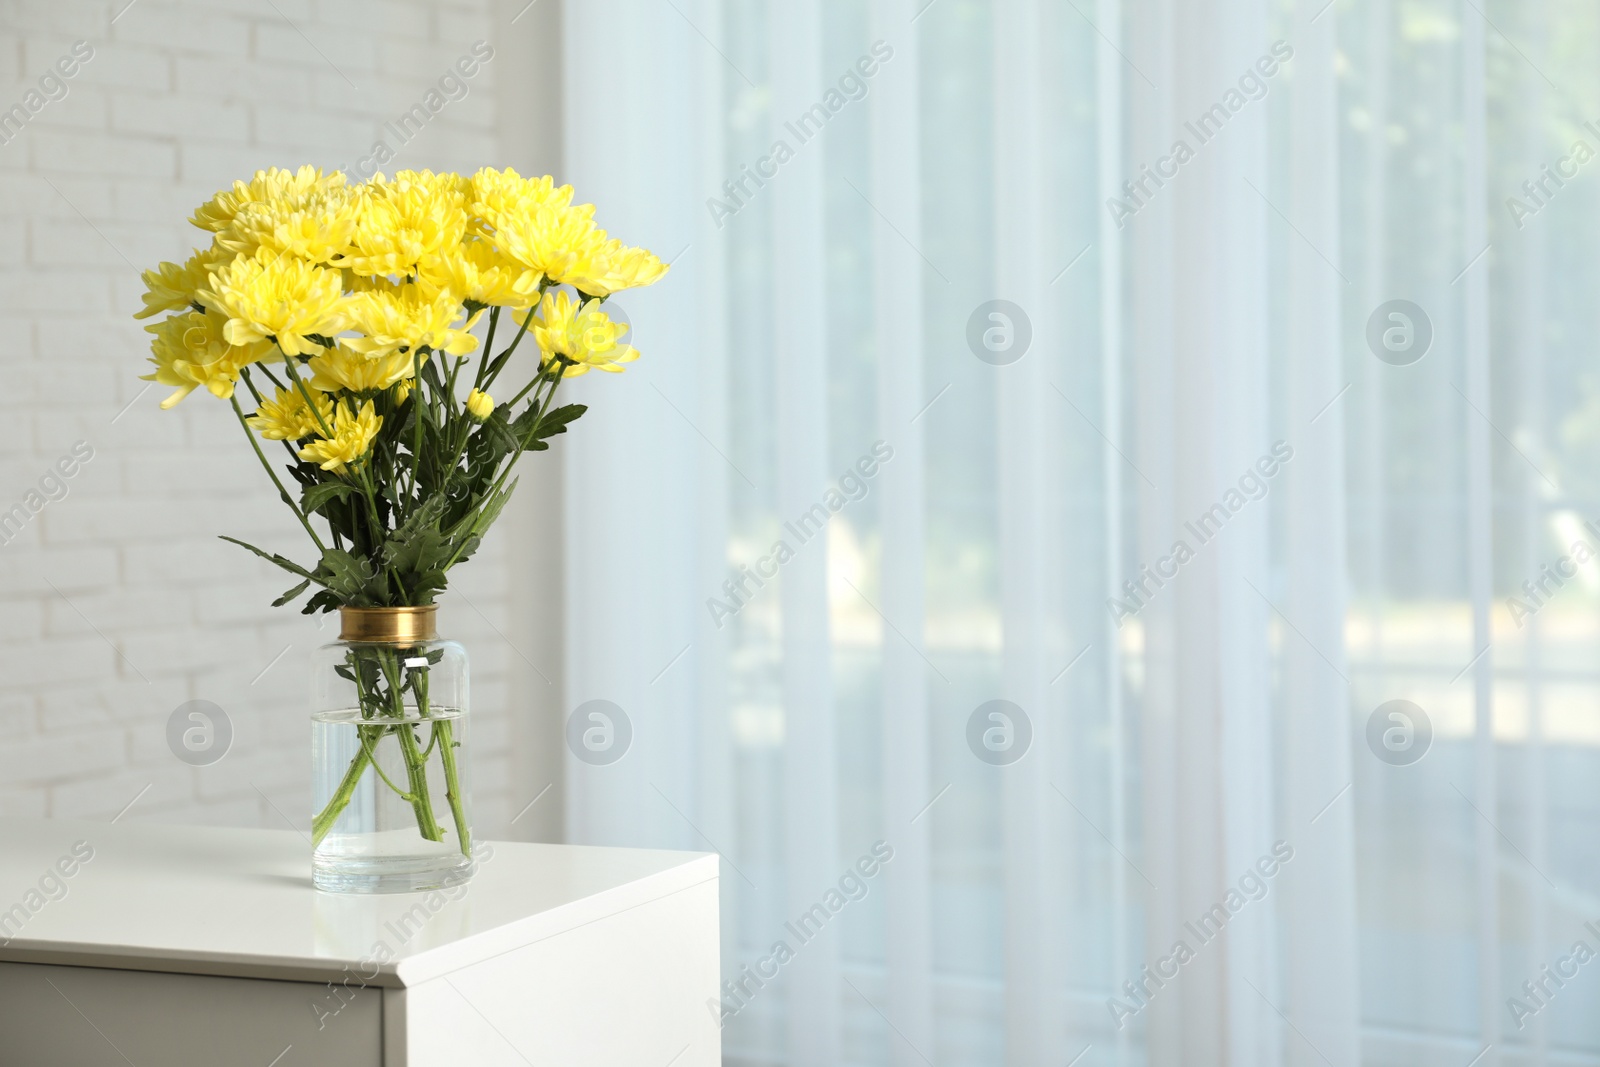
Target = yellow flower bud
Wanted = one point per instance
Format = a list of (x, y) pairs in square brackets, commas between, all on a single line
[(480, 405)]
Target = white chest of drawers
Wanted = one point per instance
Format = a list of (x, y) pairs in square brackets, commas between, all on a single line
[(201, 947)]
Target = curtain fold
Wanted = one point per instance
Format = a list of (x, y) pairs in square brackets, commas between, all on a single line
[(1479, 526), (1321, 977), (799, 326), (1026, 481), (908, 784)]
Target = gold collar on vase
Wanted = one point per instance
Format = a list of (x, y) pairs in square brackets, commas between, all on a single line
[(398, 626)]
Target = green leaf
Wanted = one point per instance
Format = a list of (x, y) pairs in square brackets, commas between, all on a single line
[(419, 551), (303, 472), (291, 594), (493, 507), (323, 600), (422, 551), (351, 577), (488, 446), (272, 557), (408, 546), (430, 374), (498, 428), (522, 425), (556, 421), (316, 496), (457, 487), (426, 517), (425, 583), (465, 551)]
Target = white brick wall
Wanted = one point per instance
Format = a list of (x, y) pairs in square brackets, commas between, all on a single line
[(118, 602)]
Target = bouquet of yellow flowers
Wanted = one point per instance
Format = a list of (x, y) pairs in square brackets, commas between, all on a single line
[(347, 310), (363, 297)]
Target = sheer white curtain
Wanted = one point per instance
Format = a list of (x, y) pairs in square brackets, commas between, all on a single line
[(831, 516)]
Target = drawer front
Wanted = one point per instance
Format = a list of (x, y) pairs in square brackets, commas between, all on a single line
[(94, 1017), (632, 990)]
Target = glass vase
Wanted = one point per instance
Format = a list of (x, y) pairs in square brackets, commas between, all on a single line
[(389, 768)]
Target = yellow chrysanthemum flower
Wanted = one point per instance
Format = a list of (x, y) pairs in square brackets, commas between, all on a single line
[(172, 286), (403, 222), (612, 268), (352, 437), (267, 186), (534, 222), (290, 418), (269, 295), (567, 247), (190, 351), (443, 182), (581, 334), (317, 228), (549, 239), (343, 368), (406, 319), (480, 405), (475, 271), (495, 196)]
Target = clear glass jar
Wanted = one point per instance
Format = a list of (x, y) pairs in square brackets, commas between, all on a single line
[(389, 775)]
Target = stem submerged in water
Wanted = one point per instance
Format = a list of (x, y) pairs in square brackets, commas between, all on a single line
[(416, 765), (445, 735), (381, 678), (341, 796)]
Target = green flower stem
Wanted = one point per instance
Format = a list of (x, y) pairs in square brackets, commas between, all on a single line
[(444, 739), (369, 737), (452, 418), (444, 734), (244, 376), (329, 815), (284, 493), (416, 769), (416, 421), (262, 367), (500, 360), (561, 365), (369, 489), (417, 681), (456, 451), (341, 796), (488, 348), (552, 370), (427, 825)]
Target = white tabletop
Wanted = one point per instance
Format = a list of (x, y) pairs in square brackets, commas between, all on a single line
[(204, 900)]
